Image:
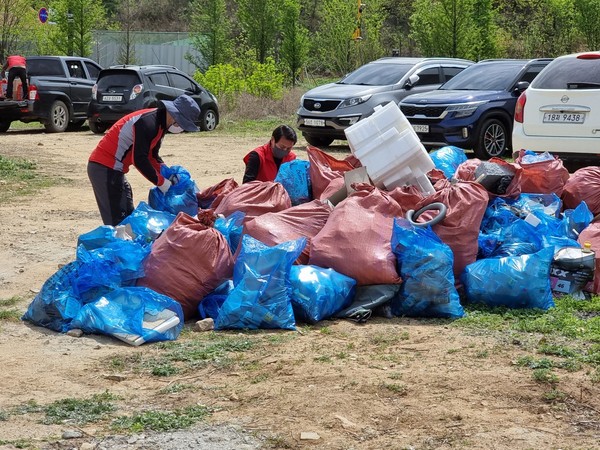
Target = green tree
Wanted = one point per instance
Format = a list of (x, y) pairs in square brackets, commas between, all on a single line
[(259, 20), (396, 27), (551, 29), (486, 30), (294, 45), (444, 27), (127, 15), (210, 33), (588, 22), (75, 20), (17, 19)]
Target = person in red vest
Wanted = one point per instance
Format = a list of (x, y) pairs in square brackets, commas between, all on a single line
[(16, 65), (263, 162)]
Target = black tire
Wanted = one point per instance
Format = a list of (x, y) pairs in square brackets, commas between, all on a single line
[(59, 117), (4, 125), (492, 140), (317, 141), (208, 120), (76, 125), (97, 128)]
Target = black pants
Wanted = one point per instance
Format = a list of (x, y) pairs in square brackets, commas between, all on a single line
[(17, 72), (112, 191)]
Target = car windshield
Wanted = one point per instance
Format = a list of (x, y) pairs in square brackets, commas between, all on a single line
[(485, 77), (569, 73), (118, 81), (377, 74)]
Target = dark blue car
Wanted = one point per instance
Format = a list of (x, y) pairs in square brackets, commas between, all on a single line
[(475, 109)]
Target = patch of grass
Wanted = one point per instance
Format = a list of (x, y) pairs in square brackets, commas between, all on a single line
[(260, 378), (177, 387), (11, 315), (532, 363), (80, 411), (396, 388), (19, 177), (383, 340), (161, 420), (326, 331), (482, 354), (546, 376), (20, 443), (554, 396), (3, 416), (164, 370), (5, 303), (323, 359)]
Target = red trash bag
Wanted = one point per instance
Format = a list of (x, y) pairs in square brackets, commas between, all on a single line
[(408, 197), (356, 240), (592, 235), (466, 202), (304, 220), (323, 169), (254, 199), (542, 177), (212, 196), (187, 261), (466, 170), (583, 185)]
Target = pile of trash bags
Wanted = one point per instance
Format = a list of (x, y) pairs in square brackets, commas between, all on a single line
[(273, 254)]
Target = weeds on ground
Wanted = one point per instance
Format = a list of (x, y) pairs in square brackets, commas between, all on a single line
[(570, 333), (20, 443), (19, 177), (12, 314), (161, 420)]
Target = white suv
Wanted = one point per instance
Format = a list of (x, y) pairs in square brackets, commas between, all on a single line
[(560, 111)]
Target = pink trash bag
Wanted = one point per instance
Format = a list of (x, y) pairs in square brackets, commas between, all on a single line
[(304, 220), (356, 240), (212, 196), (254, 199), (542, 177), (187, 261), (583, 185), (323, 169)]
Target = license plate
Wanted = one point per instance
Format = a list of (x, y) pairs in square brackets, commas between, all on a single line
[(112, 98), (314, 122), (564, 117), (421, 128)]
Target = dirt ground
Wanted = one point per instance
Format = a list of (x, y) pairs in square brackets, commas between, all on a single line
[(388, 384)]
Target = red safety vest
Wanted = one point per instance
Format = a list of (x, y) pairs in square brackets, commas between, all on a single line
[(16, 61), (268, 169)]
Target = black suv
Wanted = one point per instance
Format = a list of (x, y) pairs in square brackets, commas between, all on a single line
[(121, 90)]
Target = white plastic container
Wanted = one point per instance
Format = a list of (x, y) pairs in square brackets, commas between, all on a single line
[(391, 151)]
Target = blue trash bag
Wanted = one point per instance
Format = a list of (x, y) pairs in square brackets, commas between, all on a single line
[(425, 265), (231, 227), (133, 314), (181, 196), (319, 293), (516, 238), (530, 157), (148, 223), (574, 221), (128, 256), (513, 281), (261, 296), (295, 178), (549, 204), (498, 215), (98, 237), (73, 285), (447, 159), (211, 303)]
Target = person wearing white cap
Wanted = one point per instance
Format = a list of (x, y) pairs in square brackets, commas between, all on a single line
[(135, 140)]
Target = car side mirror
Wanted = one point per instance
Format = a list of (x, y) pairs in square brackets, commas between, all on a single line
[(521, 86), (412, 80)]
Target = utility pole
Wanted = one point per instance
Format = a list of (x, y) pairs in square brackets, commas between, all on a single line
[(70, 32), (357, 35)]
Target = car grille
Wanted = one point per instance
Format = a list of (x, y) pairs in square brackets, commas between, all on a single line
[(324, 105), (427, 111)]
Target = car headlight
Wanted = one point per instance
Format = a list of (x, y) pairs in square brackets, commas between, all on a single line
[(354, 101), (465, 109)]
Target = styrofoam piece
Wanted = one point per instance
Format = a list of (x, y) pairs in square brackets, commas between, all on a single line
[(160, 323), (383, 119)]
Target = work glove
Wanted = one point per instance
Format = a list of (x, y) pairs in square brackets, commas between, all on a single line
[(164, 187)]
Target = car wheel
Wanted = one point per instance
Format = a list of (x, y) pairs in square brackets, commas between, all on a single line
[(317, 141), (75, 125), (208, 120), (4, 126), (97, 128), (492, 140), (59, 117)]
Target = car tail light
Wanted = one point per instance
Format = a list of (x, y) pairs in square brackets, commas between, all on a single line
[(94, 91), (33, 93), (519, 109), (589, 56), (136, 90)]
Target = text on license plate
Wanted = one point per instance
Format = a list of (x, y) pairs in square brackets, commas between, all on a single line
[(112, 98), (421, 128), (314, 122), (564, 117)]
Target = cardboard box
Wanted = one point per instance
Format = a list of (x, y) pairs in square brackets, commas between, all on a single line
[(358, 175)]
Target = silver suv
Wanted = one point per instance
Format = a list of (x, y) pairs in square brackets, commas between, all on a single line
[(326, 111)]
